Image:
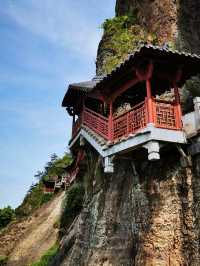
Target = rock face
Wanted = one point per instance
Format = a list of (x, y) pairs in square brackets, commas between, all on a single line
[(188, 25), (146, 213), (157, 16), (172, 20), (175, 22), (143, 214)]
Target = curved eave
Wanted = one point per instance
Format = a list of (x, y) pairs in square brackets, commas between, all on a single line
[(76, 90), (190, 62)]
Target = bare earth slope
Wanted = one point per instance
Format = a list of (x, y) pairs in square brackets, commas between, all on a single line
[(27, 240)]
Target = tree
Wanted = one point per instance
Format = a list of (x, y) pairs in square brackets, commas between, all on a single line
[(7, 214)]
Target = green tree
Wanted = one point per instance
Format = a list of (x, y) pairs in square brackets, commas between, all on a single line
[(7, 214)]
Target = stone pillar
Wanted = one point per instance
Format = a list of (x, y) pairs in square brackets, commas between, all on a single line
[(108, 165), (196, 102), (153, 148)]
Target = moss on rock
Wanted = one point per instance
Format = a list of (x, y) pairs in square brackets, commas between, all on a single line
[(122, 35)]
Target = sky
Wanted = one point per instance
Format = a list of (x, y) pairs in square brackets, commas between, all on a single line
[(44, 46)]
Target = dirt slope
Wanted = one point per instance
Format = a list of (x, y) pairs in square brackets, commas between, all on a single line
[(27, 240)]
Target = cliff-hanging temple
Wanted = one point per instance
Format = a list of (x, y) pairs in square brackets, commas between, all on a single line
[(124, 110)]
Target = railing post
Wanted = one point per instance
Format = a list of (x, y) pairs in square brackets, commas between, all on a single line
[(178, 107), (149, 102), (83, 113), (127, 124), (110, 122)]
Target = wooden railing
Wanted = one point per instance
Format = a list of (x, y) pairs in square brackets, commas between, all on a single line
[(130, 121), (98, 123), (165, 115)]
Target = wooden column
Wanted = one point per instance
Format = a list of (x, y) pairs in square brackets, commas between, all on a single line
[(110, 122), (178, 106), (73, 123), (149, 101)]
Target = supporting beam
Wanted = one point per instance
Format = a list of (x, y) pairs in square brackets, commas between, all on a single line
[(108, 165), (153, 148), (122, 89)]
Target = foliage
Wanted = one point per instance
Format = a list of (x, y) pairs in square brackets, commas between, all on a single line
[(120, 22), (34, 199), (47, 257), (55, 167), (7, 214), (193, 85), (72, 204), (122, 35), (35, 196), (3, 260)]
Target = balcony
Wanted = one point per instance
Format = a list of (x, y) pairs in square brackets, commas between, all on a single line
[(165, 115)]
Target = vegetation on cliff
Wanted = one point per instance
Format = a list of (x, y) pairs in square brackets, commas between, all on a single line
[(47, 257), (35, 197), (7, 215), (72, 205), (122, 35)]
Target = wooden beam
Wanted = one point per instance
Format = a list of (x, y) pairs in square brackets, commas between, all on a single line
[(144, 74), (122, 89), (96, 95), (149, 101)]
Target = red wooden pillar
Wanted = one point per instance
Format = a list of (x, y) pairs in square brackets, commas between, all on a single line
[(149, 102), (73, 124), (110, 122), (178, 107)]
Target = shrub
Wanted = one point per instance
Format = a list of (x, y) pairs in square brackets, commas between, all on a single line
[(47, 257), (72, 205), (3, 260), (6, 216), (122, 35), (33, 200)]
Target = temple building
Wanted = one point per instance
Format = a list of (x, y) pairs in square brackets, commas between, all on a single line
[(125, 111)]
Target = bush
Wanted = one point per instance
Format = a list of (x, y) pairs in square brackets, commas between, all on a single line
[(47, 257), (122, 35), (72, 205), (3, 260), (33, 200), (6, 216)]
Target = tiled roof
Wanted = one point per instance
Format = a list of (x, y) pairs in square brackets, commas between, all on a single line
[(147, 49), (86, 86)]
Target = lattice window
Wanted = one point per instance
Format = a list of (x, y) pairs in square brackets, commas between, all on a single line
[(137, 119), (165, 115)]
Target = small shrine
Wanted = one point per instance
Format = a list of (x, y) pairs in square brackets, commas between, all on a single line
[(125, 110)]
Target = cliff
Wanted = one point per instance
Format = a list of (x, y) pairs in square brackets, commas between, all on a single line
[(146, 213), (175, 23)]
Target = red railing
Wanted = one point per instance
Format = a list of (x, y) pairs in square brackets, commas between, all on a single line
[(131, 121), (165, 115), (98, 123)]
